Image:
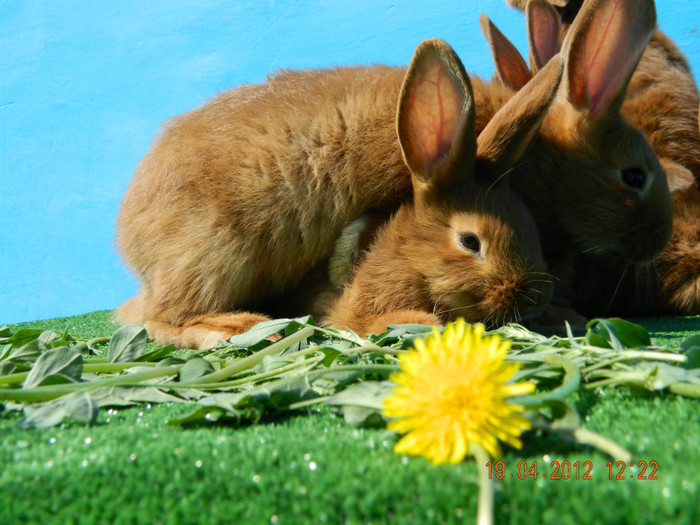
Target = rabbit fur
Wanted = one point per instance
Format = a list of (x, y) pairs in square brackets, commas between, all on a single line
[(573, 177), (239, 202), (662, 101), (327, 138), (419, 269)]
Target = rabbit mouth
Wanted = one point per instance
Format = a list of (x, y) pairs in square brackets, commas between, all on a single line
[(510, 299), (514, 299)]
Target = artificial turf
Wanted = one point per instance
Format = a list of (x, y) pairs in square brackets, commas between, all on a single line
[(131, 467)]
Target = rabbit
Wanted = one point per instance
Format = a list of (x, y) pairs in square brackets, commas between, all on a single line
[(316, 149), (238, 203), (238, 199), (668, 284), (591, 180), (464, 246)]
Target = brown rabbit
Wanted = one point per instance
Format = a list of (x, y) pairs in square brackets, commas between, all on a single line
[(238, 199), (465, 246), (662, 100), (591, 179), (241, 198)]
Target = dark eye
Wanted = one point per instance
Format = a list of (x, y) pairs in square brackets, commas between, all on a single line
[(470, 242), (634, 178)]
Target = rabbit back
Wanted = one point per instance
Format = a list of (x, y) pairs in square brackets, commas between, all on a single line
[(236, 200)]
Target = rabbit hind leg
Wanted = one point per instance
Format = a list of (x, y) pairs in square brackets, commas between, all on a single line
[(202, 331)]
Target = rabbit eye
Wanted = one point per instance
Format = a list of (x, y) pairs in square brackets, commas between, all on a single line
[(470, 242), (634, 178)]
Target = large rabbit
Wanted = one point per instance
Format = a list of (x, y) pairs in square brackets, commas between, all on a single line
[(238, 200), (465, 246), (662, 100)]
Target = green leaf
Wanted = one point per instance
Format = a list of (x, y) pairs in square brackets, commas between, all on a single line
[(405, 333), (690, 342), (361, 404), (82, 348), (170, 360), (210, 414), (43, 415), (259, 333), (24, 336), (130, 395), (157, 354), (51, 339), (27, 352), (560, 415), (127, 344), (7, 368), (690, 347), (194, 368), (63, 362), (330, 355), (617, 334)]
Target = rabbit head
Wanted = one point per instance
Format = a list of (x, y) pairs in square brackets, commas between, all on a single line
[(466, 246), (601, 189)]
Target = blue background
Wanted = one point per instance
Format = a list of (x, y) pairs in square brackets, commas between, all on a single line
[(84, 85)]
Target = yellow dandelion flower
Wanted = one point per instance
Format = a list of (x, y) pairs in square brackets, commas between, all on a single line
[(451, 391)]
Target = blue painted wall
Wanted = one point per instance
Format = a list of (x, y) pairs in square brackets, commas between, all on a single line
[(84, 85)]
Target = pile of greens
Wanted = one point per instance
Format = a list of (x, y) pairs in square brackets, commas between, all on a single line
[(50, 376)]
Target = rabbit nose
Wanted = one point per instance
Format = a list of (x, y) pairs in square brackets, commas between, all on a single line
[(517, 297)]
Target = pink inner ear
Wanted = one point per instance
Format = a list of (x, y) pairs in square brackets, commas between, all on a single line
[(544, 27), (614, 41), (510, 64), (432, 115)]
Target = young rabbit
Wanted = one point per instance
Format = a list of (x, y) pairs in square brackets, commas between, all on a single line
[(465, 246), (661, 100), (238, 200)]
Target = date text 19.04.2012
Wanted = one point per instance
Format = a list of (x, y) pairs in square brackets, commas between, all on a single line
[(575, 470)]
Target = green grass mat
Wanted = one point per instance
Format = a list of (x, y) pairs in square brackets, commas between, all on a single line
[(131, 467)]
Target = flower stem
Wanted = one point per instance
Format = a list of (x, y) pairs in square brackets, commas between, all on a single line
[(89, 367), (629, 355), (251, 378), (47, 393), (685, 389), (569, 384), (484, 513), (249, 362), (588, 437)]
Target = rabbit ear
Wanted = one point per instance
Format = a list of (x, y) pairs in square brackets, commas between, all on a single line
[(543, 33), (521, 4), (510, 65), (508, 134), (436, 118), (603, 47), (678, 177)]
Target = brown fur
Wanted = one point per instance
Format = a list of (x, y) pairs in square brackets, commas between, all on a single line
[(238, 199), (312, 150), (417, 270), (238, 202), (583, 208), (662, 101)]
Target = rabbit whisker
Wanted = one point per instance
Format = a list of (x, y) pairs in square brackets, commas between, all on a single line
[(528, 298), (449, 310), (437, 301), (504, 174), (617, 288)]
